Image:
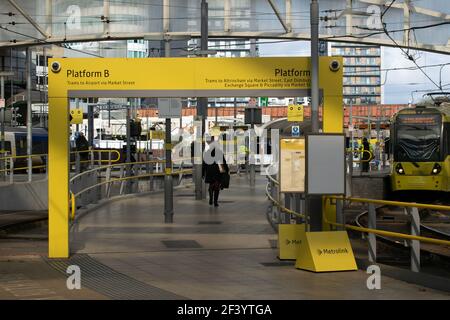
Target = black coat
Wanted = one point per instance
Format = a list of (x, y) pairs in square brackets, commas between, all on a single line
[(211, 172), (82, 145)]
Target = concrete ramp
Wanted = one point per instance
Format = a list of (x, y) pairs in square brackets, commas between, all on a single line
[(24, 196)]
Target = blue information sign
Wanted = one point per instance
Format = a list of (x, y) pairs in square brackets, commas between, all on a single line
[(295, 131)]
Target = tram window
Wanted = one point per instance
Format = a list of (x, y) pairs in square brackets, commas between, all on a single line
[(418, 142), (39, 147), (21, 145), (8, 147)]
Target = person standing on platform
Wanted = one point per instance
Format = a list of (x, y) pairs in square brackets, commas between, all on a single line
[(366, 155), (82, 145), (215, 171)]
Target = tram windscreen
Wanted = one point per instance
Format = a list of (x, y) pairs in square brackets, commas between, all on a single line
[(418, 138)]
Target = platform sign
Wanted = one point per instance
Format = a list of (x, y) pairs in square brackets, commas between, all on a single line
[(292, 165), (295, 113), (326, 251), (295, 131), (263, 101), (290, 237), (76, 116), (157, 134)]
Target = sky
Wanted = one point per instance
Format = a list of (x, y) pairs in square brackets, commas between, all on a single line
[(399, 85)]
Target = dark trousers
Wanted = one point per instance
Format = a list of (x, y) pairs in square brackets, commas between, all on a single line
[(365, 166), (214, 189)]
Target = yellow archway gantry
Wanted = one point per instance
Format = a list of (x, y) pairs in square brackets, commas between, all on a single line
[(168, 77)]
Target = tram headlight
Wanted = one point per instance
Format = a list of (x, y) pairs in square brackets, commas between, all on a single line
[(399, 169), (436, 168)]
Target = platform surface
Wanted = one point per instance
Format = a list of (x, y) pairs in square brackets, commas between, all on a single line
[(207, 253)]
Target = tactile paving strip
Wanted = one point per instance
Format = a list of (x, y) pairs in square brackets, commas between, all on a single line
[(108, 282), (181, 244), (210, 222)]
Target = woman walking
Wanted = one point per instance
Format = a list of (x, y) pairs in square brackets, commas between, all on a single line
[(214, 169)]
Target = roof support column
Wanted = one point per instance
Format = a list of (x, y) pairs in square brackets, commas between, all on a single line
[(406, 22), (289, 15), (49, 17), (106, 16), (226, 18)]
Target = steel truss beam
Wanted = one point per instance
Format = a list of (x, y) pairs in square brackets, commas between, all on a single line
[(29, 18)]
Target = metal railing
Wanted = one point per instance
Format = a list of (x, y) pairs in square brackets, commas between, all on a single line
[(411, 209), (9, 163), (86, 187), (360, 160), (276, 212)]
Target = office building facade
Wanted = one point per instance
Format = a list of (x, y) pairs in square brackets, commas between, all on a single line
[(362, 74)]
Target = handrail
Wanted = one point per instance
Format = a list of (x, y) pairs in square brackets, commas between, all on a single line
[(282, 208), (390, 233), (393, 203), (73, 162), (24, 156), (100, 151), (273, 179), (382, 232), (73, 196), (114, 165), (362, 151), (71, 152)]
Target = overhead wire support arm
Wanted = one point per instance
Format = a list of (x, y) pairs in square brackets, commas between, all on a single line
[(410, 57), (29, 18), (280, 18)]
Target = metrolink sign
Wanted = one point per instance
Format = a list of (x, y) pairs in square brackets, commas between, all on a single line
[(169, 77)]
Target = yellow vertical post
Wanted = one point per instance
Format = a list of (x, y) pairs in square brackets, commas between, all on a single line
[(333, 114), (333, 117), (331, 84), (58, 164)]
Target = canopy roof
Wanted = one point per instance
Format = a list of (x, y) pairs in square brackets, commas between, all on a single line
[(408, 23)]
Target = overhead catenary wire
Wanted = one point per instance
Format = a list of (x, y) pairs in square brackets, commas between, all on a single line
[(410, 57), (41, 41)]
